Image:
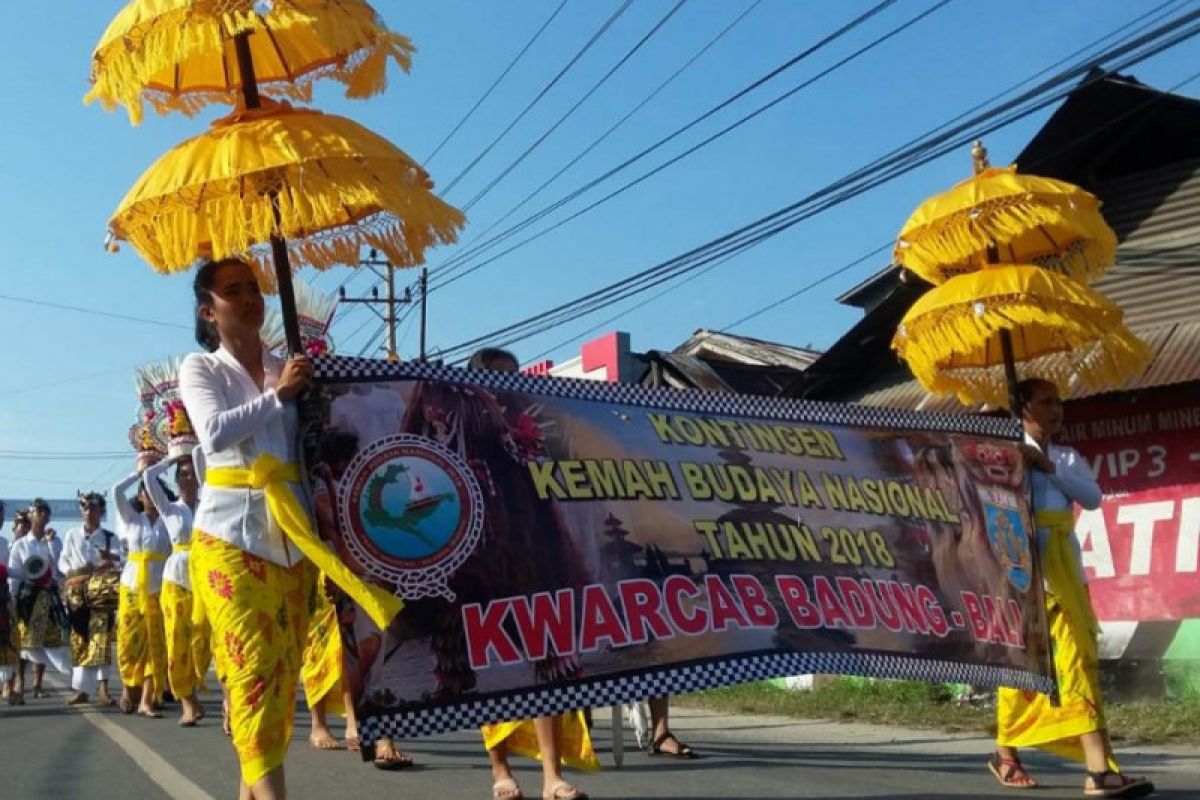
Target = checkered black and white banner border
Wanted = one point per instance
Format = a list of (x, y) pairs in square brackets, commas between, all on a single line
[(346, 369), (603, 692)]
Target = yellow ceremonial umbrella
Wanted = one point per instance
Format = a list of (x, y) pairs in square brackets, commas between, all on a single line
[(954, 337), (1001, 216), (310, 188), (181, 55)]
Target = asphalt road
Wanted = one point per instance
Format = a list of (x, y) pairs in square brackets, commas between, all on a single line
[(51, 751)]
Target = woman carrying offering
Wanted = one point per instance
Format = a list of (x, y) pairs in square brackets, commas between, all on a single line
[(254, 550), (1075, 728), (141, 640), (187, 644)]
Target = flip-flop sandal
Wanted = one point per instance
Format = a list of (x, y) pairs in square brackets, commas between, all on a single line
[(564, 791), (683, 752), (1129, 787), (1008, 772), (507, 789), (149, 714), (393, 763), (126, 705), (353, 744)]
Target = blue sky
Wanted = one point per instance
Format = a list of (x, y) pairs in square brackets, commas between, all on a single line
[(67, 380)]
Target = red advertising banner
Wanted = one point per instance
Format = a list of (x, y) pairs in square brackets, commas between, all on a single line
[(1141, 548)]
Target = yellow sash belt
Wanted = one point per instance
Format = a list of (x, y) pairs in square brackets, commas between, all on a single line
[(181, 548), (143, 559), (1061, 570), (272, 476)]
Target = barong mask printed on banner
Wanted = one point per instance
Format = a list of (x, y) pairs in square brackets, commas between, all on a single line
[(566, 544)]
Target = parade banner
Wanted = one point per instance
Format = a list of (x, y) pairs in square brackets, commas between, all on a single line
[(564, 544)]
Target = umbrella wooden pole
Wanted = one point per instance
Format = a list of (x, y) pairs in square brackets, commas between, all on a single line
[(279, 252), (1010, 373), (1006, 343)]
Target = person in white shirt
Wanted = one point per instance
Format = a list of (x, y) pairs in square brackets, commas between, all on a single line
[(188, 651), (1074, 727), (141, 639), (240, 399), (41, 617), (89, 550)]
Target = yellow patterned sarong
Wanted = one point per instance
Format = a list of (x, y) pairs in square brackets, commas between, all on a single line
[(322, 670), (1027, 719), (188, 649), (141, 641), (93, 647), (520, 738), (259, 615), (40, 630)]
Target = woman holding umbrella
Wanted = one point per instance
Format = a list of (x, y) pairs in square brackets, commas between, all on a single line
[(257, 586), (1075, 728)]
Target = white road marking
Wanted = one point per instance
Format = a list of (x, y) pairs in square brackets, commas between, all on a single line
[(176, 785), (158, 769)]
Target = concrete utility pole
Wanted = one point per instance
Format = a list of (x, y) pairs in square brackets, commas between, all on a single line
[(375, 264)]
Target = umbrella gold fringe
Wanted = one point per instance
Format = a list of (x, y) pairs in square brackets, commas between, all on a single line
[(1098, 352), (326, 215), (125, 71), (1084, 248)]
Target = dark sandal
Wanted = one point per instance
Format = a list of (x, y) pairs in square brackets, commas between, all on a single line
[(1009, 771), (1128, 787), (684, 751)]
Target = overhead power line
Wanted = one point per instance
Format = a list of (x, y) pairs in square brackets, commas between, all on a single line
[(570, 111), (1134, 26), (612, 129), (93, 312), (32, 479), (904, 159), (685, 154), (456, 261), (499, 78), (545, 90), (1137, 25), (51, 457), (617, 125)]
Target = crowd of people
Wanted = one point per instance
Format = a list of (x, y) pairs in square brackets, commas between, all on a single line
[(216, 570)]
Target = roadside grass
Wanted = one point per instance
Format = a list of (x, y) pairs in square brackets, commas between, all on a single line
[(932, 707)]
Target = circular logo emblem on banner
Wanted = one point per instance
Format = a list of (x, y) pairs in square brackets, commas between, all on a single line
[(1009, 542), (412, 513)]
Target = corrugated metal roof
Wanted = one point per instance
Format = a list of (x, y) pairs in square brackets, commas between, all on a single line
[(714, 345), (1176, 361), (1156, 214)]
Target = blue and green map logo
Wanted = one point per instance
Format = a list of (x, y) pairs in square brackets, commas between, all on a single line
[(412, 513)]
